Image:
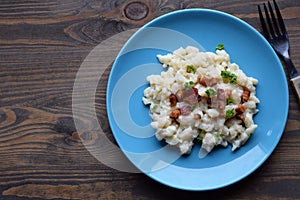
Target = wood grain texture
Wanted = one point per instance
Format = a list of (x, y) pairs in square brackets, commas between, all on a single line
[(43, 44)]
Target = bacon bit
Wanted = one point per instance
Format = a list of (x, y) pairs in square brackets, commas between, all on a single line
[(197, 116), (179, 95), (175, 113), (212, 102), (197, 95), (240, 109), (195, 90), (222, 105), (212, 82), (199, 98), (240, 116), (209, 101), (207, 81), (190, 97), (227, 93), (186, 110), (201, 80), (223, 94), (173, 100), (245, 95)]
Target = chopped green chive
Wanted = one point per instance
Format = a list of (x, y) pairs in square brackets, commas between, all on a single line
[(220, 47), (188, 85), (233, 80), (230, 113), (201, 134), (199, 138), (229, 101), (211, 92), (219, 134), (155, 107), (190, 69), (227, 75), (193, 107)]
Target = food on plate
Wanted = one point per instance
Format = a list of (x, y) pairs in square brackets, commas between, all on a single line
[(201, 96)]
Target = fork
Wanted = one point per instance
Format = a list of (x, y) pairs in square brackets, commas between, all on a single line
[(276, 34)]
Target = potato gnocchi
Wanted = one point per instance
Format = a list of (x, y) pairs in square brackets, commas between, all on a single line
[(203, 97)]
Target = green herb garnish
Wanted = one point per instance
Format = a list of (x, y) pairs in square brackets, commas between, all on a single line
[(155, 107), (229, 101), (201, 133), (227, 75), (219, 134), (188, 85), (193, 107), (190, 69), (220, 47), (199, 138), (233, 80), (211, 92), (230, 113)]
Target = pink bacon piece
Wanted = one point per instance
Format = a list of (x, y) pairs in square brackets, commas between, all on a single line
[(245, 95), (207, 81)]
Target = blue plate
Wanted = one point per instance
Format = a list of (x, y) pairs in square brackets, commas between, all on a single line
[(130, 121)]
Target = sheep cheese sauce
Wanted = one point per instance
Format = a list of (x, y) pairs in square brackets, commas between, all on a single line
[(201, 96)]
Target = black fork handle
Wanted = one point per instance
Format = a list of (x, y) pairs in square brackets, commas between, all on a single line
[(294, 76), (291, 68)]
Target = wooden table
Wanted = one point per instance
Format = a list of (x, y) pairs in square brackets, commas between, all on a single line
[(42, 46)]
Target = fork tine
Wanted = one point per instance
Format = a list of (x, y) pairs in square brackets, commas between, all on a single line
[(263, 24), (275, 26), (269, 21), (280, 20)]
